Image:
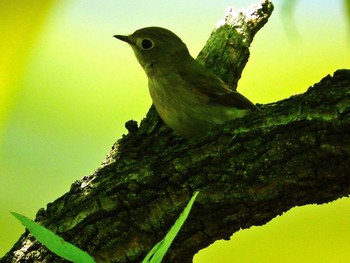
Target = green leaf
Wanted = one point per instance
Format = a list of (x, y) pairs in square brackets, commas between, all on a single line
[(53, 242), (158, 251)]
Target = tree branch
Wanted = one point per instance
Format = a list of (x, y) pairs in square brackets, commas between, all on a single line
[(249, 170), (227, 50)]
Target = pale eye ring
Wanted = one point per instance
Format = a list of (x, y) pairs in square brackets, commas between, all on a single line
[(147, 44)]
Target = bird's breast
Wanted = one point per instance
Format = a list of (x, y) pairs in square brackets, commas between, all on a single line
[(186, 111)]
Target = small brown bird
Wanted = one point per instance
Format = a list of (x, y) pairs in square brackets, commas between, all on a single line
[(188, 97)]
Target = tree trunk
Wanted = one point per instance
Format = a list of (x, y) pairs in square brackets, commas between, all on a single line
[(249, 170)]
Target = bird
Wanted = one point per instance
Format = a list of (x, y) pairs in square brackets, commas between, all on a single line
[(188, 97)]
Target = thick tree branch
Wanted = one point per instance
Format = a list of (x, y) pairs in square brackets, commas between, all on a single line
[(227, 50), (249, 170)]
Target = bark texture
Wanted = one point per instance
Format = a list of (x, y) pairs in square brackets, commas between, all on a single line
[(227, 50), (249, 170)]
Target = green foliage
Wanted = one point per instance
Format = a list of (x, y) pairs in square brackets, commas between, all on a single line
[(70, 252), (53, 242), (158, 251), (347, 9), (288, 8)]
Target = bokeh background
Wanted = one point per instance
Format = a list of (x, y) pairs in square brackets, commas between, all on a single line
[(67, 87)]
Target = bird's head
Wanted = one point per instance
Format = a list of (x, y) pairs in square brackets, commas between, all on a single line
[(155, 46)]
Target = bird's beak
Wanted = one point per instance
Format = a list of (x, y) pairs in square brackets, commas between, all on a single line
[(125, 39)]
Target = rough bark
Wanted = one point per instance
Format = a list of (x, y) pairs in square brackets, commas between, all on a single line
[(227, 50), (294, 152)]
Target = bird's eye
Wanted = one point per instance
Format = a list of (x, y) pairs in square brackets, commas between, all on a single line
[(146, 44)]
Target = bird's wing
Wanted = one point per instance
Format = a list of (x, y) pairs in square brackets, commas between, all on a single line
[(212, 88)]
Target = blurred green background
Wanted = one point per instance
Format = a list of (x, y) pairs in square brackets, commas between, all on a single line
[(67, 87)]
